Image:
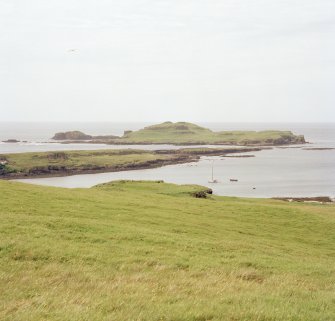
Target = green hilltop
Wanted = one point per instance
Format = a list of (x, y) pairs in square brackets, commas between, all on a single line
[(151, 251), (188, 133)]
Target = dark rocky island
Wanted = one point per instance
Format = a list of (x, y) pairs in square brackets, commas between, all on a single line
[(73, 135), (78, 136), (11, 141)]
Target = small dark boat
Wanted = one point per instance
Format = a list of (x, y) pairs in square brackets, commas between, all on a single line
[(234, 180)]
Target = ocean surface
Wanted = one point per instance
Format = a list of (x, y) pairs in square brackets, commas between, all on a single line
[(292, 171)]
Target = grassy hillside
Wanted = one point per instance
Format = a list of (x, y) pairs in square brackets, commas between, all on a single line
[(151, 251), (187, 133), (183, 133)]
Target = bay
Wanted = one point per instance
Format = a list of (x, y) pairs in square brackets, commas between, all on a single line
[(293, 172)]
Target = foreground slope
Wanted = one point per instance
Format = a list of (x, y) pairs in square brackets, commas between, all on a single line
[(151, 251)]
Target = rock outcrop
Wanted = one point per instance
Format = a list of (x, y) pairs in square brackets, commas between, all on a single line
[(78, 135), (11, 141), (72, 135)]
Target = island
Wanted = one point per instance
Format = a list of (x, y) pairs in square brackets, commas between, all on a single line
[(11, 141), (183, 133), (47, 164)]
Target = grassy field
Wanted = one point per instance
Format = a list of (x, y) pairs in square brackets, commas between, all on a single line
[(145, 251), (188, 133)]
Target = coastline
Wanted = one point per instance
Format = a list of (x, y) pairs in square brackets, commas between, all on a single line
[(198, 143), (230, 168), (130, 167), (179, 156)]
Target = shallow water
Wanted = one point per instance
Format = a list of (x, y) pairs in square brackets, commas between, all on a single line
[(272, 172), (276, 172)]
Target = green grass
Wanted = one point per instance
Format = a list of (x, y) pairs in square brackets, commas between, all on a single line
[(188, 133), (150, 251)]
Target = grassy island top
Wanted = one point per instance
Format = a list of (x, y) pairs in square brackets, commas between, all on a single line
[(187, 133), (183, 133), (152, 251)]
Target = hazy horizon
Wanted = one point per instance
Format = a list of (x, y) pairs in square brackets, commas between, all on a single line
[(161, 121), (154, 61)]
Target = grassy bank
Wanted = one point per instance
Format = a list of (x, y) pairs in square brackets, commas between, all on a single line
[(78, 162), (81, 162), (151, 251)]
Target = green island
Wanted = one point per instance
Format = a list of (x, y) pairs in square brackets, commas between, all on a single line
[(183, 133), (151, 251), (62, 163)]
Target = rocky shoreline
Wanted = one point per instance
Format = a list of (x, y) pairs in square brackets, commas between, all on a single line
[(274, 143), (317, 199), (319, 148)]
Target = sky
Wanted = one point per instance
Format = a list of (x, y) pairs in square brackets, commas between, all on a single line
[(158, 60)]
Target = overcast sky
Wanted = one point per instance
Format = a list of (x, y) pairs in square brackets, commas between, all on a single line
[(156, 60)]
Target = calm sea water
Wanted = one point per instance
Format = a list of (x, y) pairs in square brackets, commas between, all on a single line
[(275, 172)]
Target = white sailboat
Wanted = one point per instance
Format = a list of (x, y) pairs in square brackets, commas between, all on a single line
[(213, 181)]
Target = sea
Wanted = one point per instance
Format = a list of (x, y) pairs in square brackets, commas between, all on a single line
[(291, 171)]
